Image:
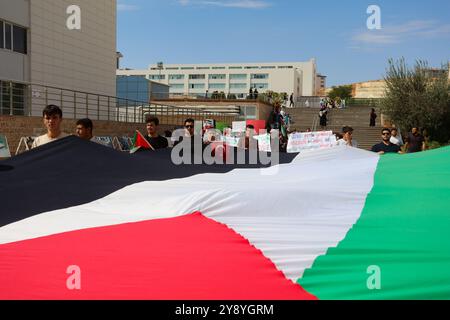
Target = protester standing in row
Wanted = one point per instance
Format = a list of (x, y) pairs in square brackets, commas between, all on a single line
[(386, 146), (155, 140), (52, 117), (415, 141)]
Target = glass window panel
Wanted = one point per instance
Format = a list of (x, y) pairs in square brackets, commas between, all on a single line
[(217, 76), (217, 85), (176, 76), (2, 38), (238, 76), (197, 76), (260, 76), (8, 33)]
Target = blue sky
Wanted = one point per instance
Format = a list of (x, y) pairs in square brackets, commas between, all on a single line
[(334, 32)]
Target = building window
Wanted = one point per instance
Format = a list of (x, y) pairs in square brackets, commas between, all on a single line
[(251, 67), (218, 68), (2, 38), (238, 85), (217, 86), (8, 33), (171, 68), (285, 67), (235, 68), (217, 76), (197, 77), (13, 37), (203, 68), (20, 39), (12, 98), (238, 76), (176, 77), (187, 68), (197, 86), (261, 86), (177, 87), (260, 76), (268, 67), (157, 77), (247, 113)]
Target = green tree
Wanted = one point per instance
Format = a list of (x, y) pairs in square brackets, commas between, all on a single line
[(340, 92), (417, 97)]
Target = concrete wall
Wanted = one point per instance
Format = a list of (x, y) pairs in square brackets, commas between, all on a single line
[(15, 66), (83, 60), (369, 89), (15, 11), (309, 70)]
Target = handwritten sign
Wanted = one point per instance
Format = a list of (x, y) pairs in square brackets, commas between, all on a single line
[(239, 126), (232, 141), (299, 142), (264, 142)]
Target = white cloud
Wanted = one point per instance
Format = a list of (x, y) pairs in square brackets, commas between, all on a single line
[(392, 34), (126, 7), (246, 4)]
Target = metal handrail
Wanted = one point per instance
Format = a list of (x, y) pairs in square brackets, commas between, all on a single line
[(215, 95), (29, 99)]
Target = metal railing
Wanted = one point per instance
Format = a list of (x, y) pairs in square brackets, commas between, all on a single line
[(24, 99), (308, 102), (211, 96)]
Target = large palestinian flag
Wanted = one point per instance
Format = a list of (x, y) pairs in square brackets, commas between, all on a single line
[(341, 223)]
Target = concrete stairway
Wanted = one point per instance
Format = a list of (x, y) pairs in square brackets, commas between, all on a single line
[(356, 117)]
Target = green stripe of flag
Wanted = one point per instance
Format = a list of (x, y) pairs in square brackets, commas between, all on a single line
[(404, 230)]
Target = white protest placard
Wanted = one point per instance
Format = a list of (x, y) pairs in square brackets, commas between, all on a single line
[(239, 126), (264, 142), (232, 141), (4, 148), (299, 142)]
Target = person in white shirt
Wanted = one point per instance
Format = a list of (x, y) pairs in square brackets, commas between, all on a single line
[(52, 116), (347, 139), (396, 138)]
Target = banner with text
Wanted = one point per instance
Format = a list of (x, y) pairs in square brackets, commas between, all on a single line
[(299, 142)]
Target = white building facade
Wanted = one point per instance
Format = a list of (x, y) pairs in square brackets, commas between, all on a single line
[(37, 47), (236, 79)]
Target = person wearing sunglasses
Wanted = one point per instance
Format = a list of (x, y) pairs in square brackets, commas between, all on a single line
[(189, 126), (386, 146), (189, 132)]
